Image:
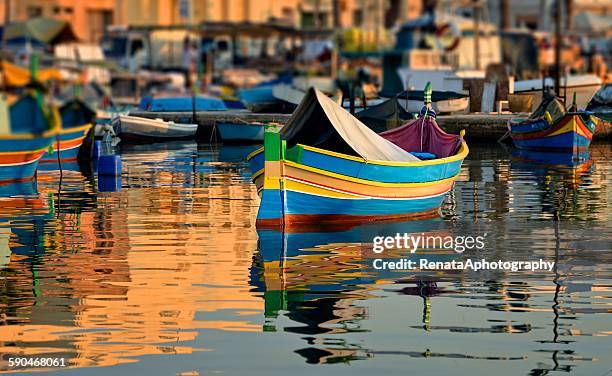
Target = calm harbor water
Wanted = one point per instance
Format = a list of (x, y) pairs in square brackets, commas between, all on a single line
[(169, 275)]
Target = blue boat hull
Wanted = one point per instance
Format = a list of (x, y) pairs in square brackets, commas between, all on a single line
[(19, 158), (240, 132), (182, 104), (299, 204)]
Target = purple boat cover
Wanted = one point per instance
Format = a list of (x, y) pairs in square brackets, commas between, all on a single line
[(424, 135)]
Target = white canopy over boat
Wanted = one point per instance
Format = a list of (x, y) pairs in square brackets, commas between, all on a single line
[(320, 122)]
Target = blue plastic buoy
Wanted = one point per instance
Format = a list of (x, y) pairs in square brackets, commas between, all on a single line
[(109, 165)]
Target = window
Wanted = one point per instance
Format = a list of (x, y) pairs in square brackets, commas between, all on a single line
[(68, 10), (57, 10), (34, 11), (98, 21), (357, 17)]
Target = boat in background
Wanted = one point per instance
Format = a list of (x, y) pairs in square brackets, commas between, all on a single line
[(289, 96), (76, 121), (227, 95), (325, 165), (293, 94), (144, 129), (26, 132), (240, 131), (583, 87), (442, 101), (260, 98), (551, 127), (182, 104), (384, 116)]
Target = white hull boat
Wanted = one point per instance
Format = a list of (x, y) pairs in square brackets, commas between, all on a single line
[(133, 127), (584, 86), (443, 102), (440, 107)]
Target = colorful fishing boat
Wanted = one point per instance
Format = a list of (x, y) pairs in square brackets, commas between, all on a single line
[(76, 121), (325, 165), (25, 135), (550, 127)]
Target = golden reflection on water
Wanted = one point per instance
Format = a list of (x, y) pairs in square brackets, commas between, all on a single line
[(104, 278), (128, 278)]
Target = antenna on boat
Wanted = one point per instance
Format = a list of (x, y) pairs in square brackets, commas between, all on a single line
[(557, 66), (426, 108), (427, 94)]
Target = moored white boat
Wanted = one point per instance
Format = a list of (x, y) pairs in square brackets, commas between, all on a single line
[(584, 86), (133, 127), (442, 101)]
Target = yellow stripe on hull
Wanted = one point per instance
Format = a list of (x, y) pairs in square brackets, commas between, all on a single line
[(570, 126), (316, 175)]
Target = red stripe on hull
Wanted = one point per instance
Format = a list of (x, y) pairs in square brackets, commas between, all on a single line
[(68, 144), (309, 222), (24, 157)]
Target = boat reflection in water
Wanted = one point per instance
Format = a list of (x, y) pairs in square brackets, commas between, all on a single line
[(566, 167), (22, 233), (560, 176), (316, 279)]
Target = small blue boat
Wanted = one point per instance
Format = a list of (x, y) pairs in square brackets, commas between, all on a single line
[(240, 132), (552, 128), (182, 104), (260, 98)]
